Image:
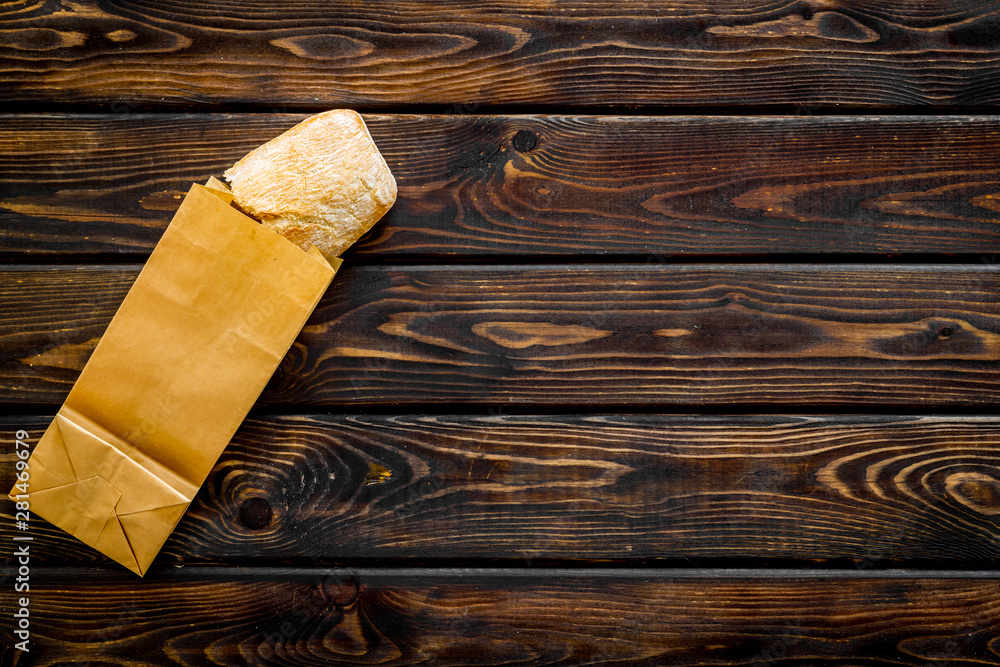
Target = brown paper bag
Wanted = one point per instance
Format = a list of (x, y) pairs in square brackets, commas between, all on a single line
[(214, 310)]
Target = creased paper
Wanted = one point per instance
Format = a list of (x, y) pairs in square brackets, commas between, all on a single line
[(200, 333)]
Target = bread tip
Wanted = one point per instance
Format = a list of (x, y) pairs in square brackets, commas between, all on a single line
[(323, 182)]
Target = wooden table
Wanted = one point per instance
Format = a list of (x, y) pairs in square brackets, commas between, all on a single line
[(679, 347)]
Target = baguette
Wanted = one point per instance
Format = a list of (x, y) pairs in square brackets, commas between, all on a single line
[(322, 183)]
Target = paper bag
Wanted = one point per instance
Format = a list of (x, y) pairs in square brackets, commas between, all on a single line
[(211, 315)]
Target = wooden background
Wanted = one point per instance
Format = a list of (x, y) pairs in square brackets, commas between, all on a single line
[(679, 347)]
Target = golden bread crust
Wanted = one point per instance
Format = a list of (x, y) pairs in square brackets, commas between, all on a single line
[(322, 183)]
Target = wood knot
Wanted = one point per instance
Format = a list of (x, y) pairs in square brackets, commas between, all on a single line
[(341, 591), (525, 140), (255, 513), (977, 491)]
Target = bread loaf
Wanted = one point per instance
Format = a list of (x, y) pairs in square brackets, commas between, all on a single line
[(322, 183)]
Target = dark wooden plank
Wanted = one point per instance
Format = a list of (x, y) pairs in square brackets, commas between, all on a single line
[(586, 335), (502, 617), (862, 492), (519, 52), (49, 299), (539, 185)]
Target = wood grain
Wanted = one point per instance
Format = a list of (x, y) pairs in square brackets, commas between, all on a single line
[(518, 53), (651, 188), (87, 296), (606, 347), (503, 617), (859, 492), (597, 335)]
